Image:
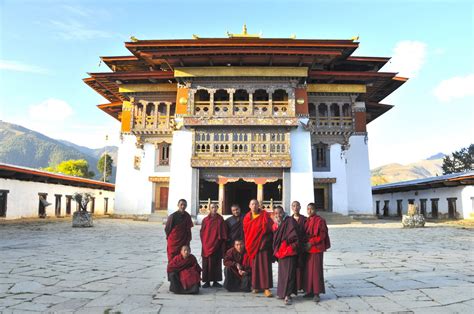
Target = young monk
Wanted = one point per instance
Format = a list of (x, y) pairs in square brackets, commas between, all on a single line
[(213, 238), (258, 236), (234, 226), (301, 220), (318, 242), (237, 268), (285, 249), (184, 273), (178, 230)]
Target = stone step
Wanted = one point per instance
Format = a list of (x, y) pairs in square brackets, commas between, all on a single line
[(336, 218), (160, 216)]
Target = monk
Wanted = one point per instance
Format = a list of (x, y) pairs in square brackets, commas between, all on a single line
[(317, 242), (258, 235), (286, 241), (184, 273), (213, 239), (234, 226), (301, 220), (178, 230), (237, 268)]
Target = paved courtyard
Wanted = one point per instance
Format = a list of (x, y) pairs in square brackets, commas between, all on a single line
[(119, 266)]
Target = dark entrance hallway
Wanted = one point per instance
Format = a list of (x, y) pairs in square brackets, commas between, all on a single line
[(239, 192)]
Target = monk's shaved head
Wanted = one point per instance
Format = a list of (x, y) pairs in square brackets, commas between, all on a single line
[(254, 206), (182, 204), (279, 213), (239, 245), (213, 209), (185, 251), (311, 209), (295, 207)]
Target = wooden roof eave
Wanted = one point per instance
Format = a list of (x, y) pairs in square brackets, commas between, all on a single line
[(92, 82), (113, 109)]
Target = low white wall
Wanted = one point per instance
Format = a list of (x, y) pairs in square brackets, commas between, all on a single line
[(462, 193), (23, 199), (301, 178)]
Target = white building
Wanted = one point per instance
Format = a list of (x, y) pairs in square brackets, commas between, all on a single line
[(24, 192), (447, 196), (231, 119)]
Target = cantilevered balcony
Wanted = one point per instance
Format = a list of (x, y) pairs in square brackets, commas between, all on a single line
[(153, 118)]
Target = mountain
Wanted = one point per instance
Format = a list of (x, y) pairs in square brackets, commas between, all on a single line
[(425, 168), (24, 147), (94, 152)]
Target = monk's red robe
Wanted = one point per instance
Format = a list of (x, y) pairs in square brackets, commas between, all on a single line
[(258, 236), (302, 253), (188, 271), (178, 232), (286, 246), (235, 230), (213, 240), (233, 280), (317, 235)]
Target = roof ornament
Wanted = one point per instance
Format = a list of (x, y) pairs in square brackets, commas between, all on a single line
[(134, 39), (244, 34), (355, 38)]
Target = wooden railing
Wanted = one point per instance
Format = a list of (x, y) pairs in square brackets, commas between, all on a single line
[(242, 108)]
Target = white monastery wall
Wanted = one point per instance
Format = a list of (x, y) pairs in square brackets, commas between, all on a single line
[(23, 199)]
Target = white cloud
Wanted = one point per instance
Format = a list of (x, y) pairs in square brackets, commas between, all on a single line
[(73, 29), (11, 65), (407, 59), (50, 110), (455, 87)]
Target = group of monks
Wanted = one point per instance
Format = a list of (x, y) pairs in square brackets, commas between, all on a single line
[(248, 245)]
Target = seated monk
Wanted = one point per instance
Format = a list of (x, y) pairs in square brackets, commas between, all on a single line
[(237, 268), (184, 273)]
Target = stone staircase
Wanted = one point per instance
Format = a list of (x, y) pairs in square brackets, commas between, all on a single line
[(336, 218)]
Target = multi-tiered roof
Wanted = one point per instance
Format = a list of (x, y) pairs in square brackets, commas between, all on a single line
[(327, 61)]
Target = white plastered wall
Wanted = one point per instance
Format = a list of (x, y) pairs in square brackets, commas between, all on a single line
[(359, 191), (23, 199), (301, 172)]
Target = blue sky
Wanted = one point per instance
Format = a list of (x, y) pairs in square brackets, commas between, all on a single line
[(47, 47)]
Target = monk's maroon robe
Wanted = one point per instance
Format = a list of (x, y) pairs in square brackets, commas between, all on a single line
[(300, 266), (317, 236), (233, 280), (213, 239), (286, 246), (235, 230), (184, 274), (178, 232), (258, 236)]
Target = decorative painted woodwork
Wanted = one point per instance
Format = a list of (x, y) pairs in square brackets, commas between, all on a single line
[(230, 71)]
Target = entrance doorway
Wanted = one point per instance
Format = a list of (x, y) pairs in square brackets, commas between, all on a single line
[(42, 204), (239, 192), (322, 197), (161, 196)]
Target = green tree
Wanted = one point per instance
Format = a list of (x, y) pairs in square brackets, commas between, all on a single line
[(460, 161), (100, 166), (77, 168)]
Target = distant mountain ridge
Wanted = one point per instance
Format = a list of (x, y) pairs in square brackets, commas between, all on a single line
[(395, 172), (24, 147)]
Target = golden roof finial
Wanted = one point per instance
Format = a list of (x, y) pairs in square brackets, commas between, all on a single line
[(244, 34)]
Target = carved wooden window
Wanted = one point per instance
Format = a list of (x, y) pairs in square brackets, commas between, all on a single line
[(260, 95), (321, 155), (346, 110), (335, 112), (312, 110), (163, 154)]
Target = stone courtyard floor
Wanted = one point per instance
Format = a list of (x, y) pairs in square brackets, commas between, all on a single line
[(119, 266)]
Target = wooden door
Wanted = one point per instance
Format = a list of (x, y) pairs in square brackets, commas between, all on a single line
[(164, 197)]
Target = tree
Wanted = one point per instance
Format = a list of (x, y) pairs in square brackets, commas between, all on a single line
[(100, 166), (460, 161), (77, 168)]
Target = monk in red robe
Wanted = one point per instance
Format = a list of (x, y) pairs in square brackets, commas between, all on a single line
[(184, 273), (235, 230), (285, 248), (317, 242), (300, 266), (237, 269), (258, 236), (178, 230), (213, 239)]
